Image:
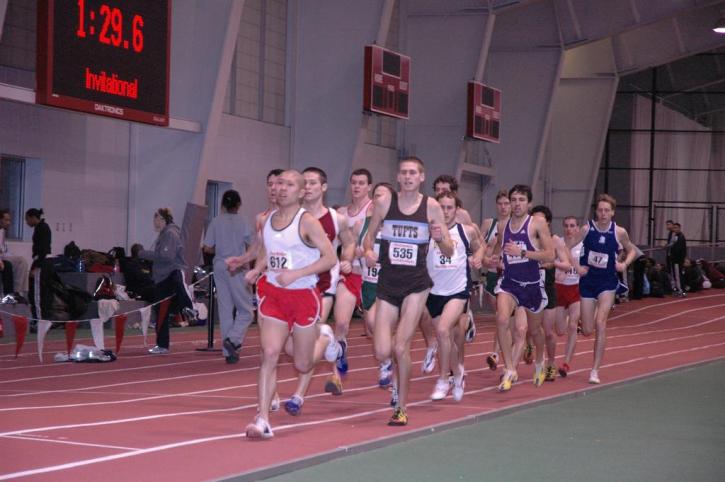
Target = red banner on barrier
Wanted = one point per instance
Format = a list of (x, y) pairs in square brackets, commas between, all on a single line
[(120, 327), (70, 334), (21, 328)]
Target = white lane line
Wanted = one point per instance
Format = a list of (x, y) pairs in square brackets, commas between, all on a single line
[(660, 320), (233, 387), (659, 305), (185, 443), (68, 442)]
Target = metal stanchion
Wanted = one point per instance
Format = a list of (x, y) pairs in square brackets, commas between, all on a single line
[(210, 317)]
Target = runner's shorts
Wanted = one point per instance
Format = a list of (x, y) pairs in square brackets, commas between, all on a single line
[(436, 303), (567, 295), (299, 307), (531, 296)]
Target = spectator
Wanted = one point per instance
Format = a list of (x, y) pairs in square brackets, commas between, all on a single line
[(669, 225), (639, 267), (658, 281), (168, 275), (7, 283), (676, 254), (717, 279), (692, 279), (41, 235), (228, 235)]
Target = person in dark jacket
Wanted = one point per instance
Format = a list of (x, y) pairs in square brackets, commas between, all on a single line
[(168, 275), (676, 254), (42, 236)]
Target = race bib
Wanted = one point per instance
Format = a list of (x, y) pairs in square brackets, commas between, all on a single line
[(278, 260), (517, 259), (370, 273), (597, 260), (403, 254)]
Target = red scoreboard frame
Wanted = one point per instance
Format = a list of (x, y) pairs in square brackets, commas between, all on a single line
[(106, 57), (386, 85), (483, 119)]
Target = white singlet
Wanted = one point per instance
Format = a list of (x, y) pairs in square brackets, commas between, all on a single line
[(449, 275), (286, 250)]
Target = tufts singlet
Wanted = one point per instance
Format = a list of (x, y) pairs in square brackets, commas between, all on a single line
[(404, 246)]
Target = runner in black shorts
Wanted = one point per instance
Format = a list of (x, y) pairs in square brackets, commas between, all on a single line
[(408, 220)]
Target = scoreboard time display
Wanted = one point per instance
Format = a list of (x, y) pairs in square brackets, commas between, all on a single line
[(107, 57)]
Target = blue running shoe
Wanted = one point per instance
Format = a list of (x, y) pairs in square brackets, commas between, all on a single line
[(293, 406), (341, 362), (385, 376)]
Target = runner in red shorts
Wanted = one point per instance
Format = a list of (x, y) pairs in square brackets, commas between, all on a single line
[(568, 301), (294, 250)]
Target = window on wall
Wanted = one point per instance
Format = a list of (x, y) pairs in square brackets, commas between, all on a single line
[(12, 182), (17, 44), (256, 87)]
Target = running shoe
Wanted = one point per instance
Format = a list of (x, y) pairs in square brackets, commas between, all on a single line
[(399, 418), (550, 374), (341, 362), (564, 370), (471, 330), (259, 429), (429, 361), (492, 361), (458, 386), (158, 350), (594, 377), (333, 348), (274, 404), (441, 390), (334, 385), (529, 354), (232, 350), (293, 406), (385, 375), (394, 398), (507, 381), (539, 375)]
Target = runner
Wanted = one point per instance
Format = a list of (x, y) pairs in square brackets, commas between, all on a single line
[(490, 228), (561, 262), (349, 290), (370, 285), (446, 183), (526, 242), (448, 299), (294, 249), (409, 220), (568, 301), (602, 239), (338, 232)]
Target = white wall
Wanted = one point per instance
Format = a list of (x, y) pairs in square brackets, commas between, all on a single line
[(84, 159)]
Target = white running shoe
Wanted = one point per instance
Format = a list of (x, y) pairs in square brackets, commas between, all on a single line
[(259, 429), (429, 361), (471, 330), (274, 404), (332, 351), (441, 390), (594, 377), (459, 384), (385, 374), (158, 350)]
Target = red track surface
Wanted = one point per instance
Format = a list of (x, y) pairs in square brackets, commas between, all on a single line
[(182, 416)]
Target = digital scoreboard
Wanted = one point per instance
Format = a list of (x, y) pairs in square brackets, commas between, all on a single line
[(107, 57), (386, 85)]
